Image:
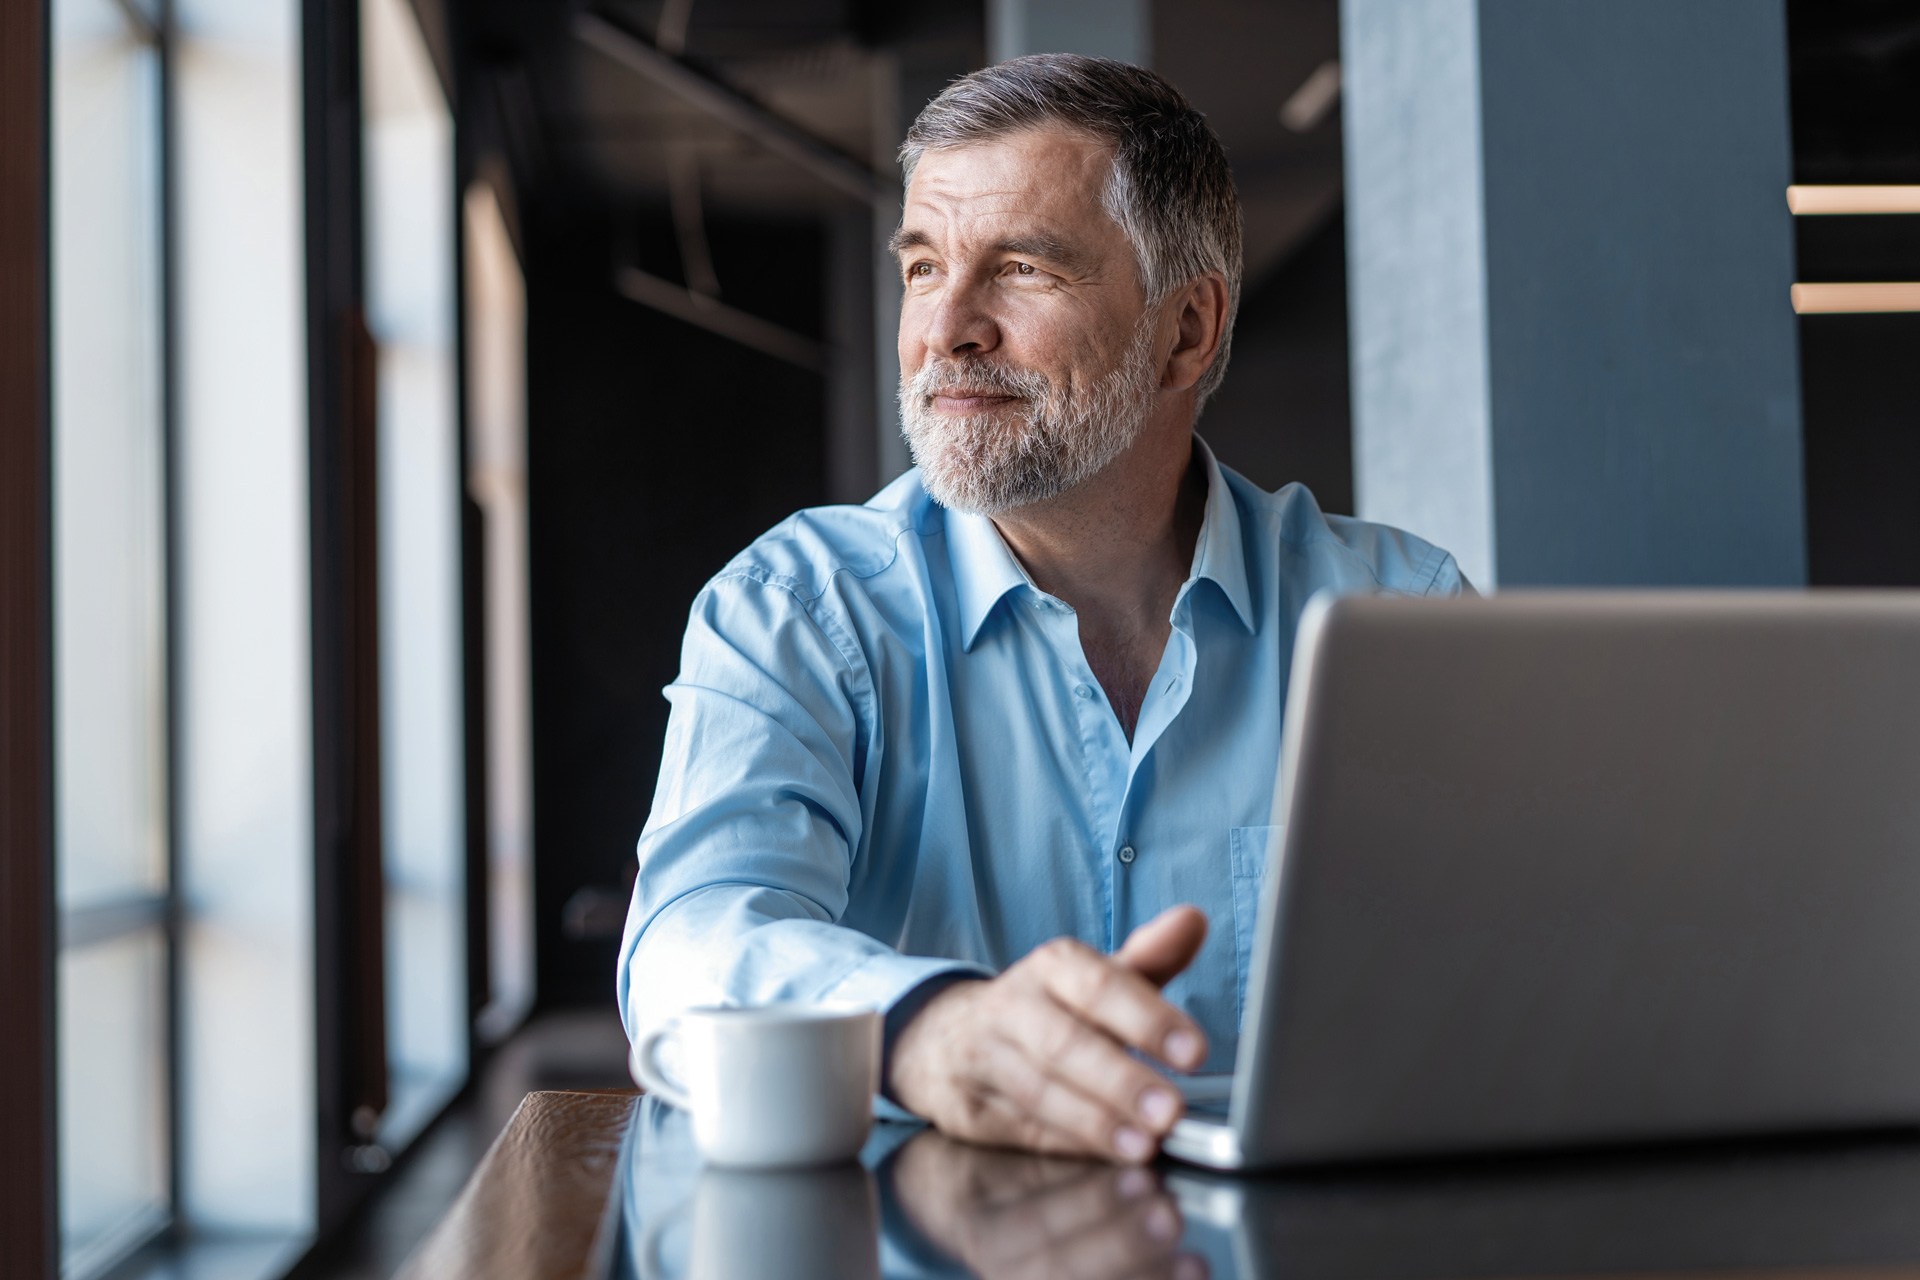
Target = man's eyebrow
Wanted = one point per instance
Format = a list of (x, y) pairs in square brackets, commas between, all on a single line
[(905, 239), (1035, 245), (1041, 245)]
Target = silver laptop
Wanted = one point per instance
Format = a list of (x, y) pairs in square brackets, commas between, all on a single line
[(1573, 869)]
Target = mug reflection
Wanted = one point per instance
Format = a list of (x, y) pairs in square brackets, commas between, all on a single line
[(798, 1224), (1006, 1215)]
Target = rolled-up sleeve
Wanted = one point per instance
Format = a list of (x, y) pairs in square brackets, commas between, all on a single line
[(747, 859)]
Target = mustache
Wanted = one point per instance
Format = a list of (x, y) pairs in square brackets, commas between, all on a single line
[(937, 377)]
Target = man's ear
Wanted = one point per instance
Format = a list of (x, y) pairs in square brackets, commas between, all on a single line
[(1200, 320)]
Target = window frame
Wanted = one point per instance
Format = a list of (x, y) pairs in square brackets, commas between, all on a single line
[(29, 1215)]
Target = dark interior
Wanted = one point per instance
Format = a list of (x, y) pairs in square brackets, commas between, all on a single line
[(645, 481)]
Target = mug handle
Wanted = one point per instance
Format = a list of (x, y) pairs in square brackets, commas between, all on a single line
[(648, 1072)]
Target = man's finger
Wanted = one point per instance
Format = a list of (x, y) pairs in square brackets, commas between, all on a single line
[(1120, 1001), (1133, 1239), (1002, 1121), (1165, 945), (1077, 1079), (1017, 1231), (1096, 1065), (1014, 1071)]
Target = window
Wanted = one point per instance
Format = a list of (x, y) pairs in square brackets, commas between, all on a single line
[(189, 859), (111, 689), (408, 219), (184, 863), (496, 315)]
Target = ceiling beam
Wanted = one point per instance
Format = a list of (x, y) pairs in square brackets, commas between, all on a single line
[(734, 109), (717, 317)]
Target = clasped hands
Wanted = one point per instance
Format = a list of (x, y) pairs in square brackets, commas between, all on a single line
[(1038, 1056)]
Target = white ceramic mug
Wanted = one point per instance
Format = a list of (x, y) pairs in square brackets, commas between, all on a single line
[(771, 1085)]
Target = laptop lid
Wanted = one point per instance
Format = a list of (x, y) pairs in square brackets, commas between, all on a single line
[(1589, 868)]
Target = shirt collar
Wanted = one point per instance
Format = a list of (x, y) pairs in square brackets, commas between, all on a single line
[(984, 568), (1220, 553)]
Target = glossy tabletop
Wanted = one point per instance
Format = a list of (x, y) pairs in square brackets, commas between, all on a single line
[(584, 1186)]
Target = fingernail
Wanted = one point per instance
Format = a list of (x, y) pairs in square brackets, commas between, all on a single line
[(1183, 1047), (1158, 1107), (1131, 1143), (1134, 1183), (1161, 1224)]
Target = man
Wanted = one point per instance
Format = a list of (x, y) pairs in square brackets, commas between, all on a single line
[(941, 753)]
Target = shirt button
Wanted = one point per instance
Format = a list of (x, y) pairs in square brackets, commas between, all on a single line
[(1126, 853), (1082, 691)]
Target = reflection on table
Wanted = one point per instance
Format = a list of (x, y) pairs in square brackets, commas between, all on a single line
[(581, 1186), (919, 1204)]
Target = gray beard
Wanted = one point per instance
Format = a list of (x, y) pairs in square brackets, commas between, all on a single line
[(1063, 438)]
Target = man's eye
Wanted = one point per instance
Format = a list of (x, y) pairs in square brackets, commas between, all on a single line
[(920, 269), (1023, 268)]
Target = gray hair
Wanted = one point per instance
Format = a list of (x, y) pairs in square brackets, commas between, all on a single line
[(1170, 189)]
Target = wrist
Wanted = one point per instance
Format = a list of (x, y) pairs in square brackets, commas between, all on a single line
[(913, 1034)]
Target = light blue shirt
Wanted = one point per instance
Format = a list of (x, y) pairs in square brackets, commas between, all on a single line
[(888, 760)]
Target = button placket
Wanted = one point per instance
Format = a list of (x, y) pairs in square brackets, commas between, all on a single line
[(1102, 741)]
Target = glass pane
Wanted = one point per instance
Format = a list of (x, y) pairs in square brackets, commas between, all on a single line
[(113, 1130), (110, 689), (246, 1127), (109, 619), (410, 251), (496, 336)]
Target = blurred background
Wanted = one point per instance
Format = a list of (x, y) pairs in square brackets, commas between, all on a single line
[(410, 364)]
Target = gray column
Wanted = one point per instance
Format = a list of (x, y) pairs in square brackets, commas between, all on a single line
[(1574, 355)]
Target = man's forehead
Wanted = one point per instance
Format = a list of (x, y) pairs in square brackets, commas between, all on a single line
[(1042, 153), (1043, 187)]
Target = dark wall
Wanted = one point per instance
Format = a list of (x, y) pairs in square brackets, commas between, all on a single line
[(1856, 119), (1283, 414), (1861, 407), (1863, 449), (656, 451)]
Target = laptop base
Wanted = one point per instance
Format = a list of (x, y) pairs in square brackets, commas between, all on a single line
[(1210, 1143), (1204, 1136)]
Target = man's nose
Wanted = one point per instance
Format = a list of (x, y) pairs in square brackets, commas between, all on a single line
[(960, 324)]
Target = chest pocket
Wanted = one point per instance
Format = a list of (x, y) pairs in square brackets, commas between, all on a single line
[(1250, 850)]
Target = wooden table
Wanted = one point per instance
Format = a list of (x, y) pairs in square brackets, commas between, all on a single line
[(582, 1186), (540, 1205)]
